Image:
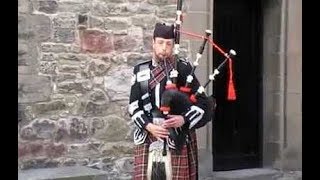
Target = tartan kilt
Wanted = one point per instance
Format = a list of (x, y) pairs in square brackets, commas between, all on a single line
[(184, 166)]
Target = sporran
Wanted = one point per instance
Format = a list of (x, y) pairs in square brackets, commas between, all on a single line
[(159, 164)]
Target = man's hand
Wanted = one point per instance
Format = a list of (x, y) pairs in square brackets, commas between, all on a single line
[(173, 121), (157, 131)]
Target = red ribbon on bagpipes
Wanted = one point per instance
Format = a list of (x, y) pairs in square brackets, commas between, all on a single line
[(231, 89), (177, 30)]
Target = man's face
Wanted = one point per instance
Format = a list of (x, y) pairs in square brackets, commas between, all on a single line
[(162, 48)]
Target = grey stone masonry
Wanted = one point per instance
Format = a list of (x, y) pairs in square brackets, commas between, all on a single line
[(75, 62), (254, 174), (65, 173)]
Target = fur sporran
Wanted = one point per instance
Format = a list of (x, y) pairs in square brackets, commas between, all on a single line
[(159, 163)]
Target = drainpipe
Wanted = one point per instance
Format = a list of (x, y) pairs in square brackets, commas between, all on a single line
[(283, 80), (210, 10)]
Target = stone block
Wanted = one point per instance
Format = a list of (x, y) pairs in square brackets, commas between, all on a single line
[(141, 8), (71, 57), (66, 68), (98, 80), (40, 149), (117, 149), (26, 70), (47, 56), (71, 129), (246, 174), (144, 21), (116, 24), (44, 128), (291, 175), (135, 58), (79, 7), (64, 35), (114, 1), (55, 150), (98, 96), (21, 112), (124, 165), (272, 153), (54, 47), (118, 81), (38, 162), (27, 149), (47, 68), (125, 43), (109, 129), (162, 2), (205, 162), (64, 27), (66, 173), (62, 135), (201, 5), (28, 133), (65, 20), (74, 87), (167, 11), (118, 59), (65, 77), (96, 22), (32, 88), (294, 73), (81, 150), (34, 26), (24, 6), (111, 9), (22, 53), (92, 109), (46, 6), (78, 129), (69, 162), (97, 68), (94, 41), (27, 53), (24, 31), (147, 41)]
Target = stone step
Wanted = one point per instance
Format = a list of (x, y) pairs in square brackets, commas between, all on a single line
[(63, 173), (245, 174)]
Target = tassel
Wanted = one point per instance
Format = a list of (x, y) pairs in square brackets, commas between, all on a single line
[(158, 171), (231, 90)]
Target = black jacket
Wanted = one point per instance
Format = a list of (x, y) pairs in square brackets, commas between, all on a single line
[(196, 114)]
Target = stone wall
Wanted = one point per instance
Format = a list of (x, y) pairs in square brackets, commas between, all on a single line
[(75, 62), (282, 96)]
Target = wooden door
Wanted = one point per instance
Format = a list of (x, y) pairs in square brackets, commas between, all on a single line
[(237, 125)]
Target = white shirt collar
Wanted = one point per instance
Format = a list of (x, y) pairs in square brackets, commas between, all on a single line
[(154, 63)]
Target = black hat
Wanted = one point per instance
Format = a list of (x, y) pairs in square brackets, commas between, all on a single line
[(163, 31)]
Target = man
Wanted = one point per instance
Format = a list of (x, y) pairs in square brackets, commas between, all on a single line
[(148, 84)]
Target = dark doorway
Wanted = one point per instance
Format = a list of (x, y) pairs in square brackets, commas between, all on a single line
[(237, 125)]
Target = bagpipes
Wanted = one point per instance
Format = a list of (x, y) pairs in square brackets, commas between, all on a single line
[(177, 100)]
